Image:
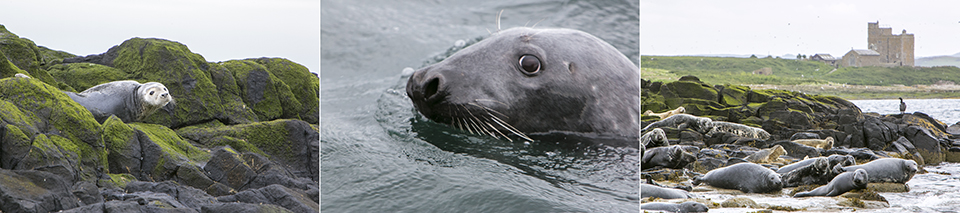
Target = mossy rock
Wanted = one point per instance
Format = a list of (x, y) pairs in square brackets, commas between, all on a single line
[(688, 89), (695, 106), (82, 76), (23, 53), (304, 85), (734, 95), (51, 57), (261, 90), (8, 69), (148, 151), (651, 101), (291, 142)]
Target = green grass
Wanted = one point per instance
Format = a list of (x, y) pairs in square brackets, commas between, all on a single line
[(717, 70)]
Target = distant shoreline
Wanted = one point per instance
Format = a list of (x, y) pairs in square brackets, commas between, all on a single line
[(864, 92)]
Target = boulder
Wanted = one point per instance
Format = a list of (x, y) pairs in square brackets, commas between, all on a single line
[(35, 191), (277, 195)]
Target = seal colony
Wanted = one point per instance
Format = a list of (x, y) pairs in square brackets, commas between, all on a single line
[(524, 81), (128, 100)]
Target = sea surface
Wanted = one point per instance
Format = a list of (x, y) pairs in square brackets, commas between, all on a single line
[(379, 155), (945, 110)]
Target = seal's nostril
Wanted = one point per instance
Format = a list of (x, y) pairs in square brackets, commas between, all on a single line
[(431, 87)]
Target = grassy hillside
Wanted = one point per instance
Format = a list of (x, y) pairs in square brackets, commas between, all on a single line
[(714, 70)]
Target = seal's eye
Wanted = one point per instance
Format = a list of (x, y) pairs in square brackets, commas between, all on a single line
[(151, 92), (529, 64)]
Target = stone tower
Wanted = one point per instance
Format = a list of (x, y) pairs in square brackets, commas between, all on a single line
[(895, 50)]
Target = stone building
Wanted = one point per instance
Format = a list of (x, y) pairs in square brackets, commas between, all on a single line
[(825, 58), (861, 58), (890, 50)]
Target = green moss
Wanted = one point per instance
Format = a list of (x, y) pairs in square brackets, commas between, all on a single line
[(269, 97), (50, 56), (49, 104), (116, 134), (271, 137), (305, 86), (8, 69), (170, 142), (82, 76)]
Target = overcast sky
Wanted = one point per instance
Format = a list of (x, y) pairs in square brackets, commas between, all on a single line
[(219, 30), (792, 27)]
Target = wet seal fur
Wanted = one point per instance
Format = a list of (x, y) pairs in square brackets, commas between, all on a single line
[(684, 207), (128, 100), (842, 183), (523, 80), (681, 121), (892, 170), (738, 129), (667, 114), (746, 177)]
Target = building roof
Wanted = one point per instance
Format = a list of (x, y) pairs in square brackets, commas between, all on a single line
[(865, 52), (824, 56)]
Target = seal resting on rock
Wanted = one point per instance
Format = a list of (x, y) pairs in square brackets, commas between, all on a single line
[(833, 160), (817, 143), (681, 121), (842, 183), (684, 207), (648, 190), (655, 137), (738, 129), (128, 100), (524, 80), (668, 157), (893, 170), (666, 114), (746, 177), (768, 155)]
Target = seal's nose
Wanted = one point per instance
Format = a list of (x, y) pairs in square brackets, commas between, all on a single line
[(425, 85)]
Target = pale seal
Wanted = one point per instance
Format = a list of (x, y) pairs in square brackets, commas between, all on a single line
[(893, 170), (817, 143), (648, 190), (128, 100), (699, 124), (746, 177), (666, 114), (737, 129), (768, 155), (684, 207), (523, 80), (842, 183)]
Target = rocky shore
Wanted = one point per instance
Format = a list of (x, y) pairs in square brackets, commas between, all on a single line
[(242, 137), (787, 116)]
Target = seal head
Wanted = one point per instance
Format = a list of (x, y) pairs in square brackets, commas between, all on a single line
[(523, 80)]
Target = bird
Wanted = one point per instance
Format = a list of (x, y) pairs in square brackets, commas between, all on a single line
[(903, 106)]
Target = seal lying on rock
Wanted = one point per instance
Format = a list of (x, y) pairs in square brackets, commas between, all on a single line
[(655, 137), (666, 114), (738, 129), (681, 121), (647, 190), (128, 100), (767, 155), (833, 160), (843, 183), (668, 157), (521, 81), (746, 177), (817, 143), (893, 170), (684, 207)]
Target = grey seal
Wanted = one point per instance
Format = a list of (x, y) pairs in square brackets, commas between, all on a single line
[(128, 100), (668, 157), (893, 170), (524, 80), (746, 177), (684, 207), (699, 124), (648, 190), (834, 160), (842, 183), (653, 138), (737, 129)]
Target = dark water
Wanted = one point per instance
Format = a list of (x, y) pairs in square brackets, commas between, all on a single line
[(379, 155)]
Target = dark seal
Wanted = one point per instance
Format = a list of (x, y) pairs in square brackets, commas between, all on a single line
[(684, 207), (843, 183), (128, 100), (746, 177), (892, 170), (523, 80), (667, 157)]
